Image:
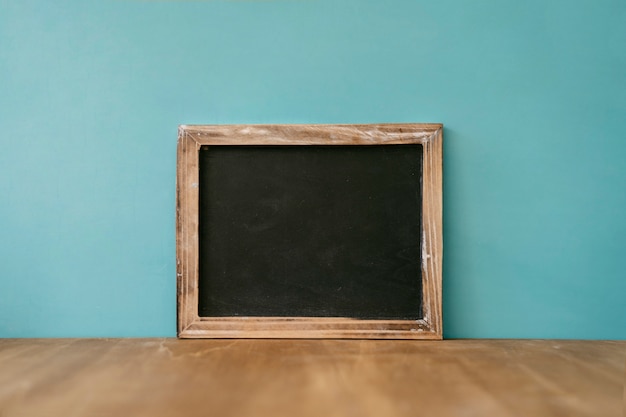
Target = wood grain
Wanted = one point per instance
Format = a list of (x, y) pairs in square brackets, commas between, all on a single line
[(191, 138), (173, 377), (372, 134)]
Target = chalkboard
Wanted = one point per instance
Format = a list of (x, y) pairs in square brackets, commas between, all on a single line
[(319, 231), (309, 231)]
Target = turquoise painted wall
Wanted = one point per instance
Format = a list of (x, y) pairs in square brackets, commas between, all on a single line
[(532, 95)]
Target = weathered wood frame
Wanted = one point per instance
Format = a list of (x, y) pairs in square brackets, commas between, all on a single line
[(191, 138)]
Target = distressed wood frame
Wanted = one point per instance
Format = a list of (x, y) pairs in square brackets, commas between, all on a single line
[(191, 138)]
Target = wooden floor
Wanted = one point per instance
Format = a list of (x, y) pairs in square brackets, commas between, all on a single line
[(169, 377)]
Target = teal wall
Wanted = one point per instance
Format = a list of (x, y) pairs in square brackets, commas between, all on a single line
[(532, 95)]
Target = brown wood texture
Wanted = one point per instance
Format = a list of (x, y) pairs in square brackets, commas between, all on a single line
[(191, 138), (173, 377)]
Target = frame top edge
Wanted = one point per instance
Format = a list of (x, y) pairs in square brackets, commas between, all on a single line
[(427, 126)]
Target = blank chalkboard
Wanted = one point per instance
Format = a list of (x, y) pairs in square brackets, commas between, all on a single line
[(319, 231), (309, 231)]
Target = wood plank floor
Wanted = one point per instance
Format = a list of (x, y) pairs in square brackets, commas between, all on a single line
[(170, 377)]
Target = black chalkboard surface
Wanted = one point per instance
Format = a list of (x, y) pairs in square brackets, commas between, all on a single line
[(318, 231), (309, 231)]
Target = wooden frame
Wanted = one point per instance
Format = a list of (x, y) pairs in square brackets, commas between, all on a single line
[(191, 138)]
